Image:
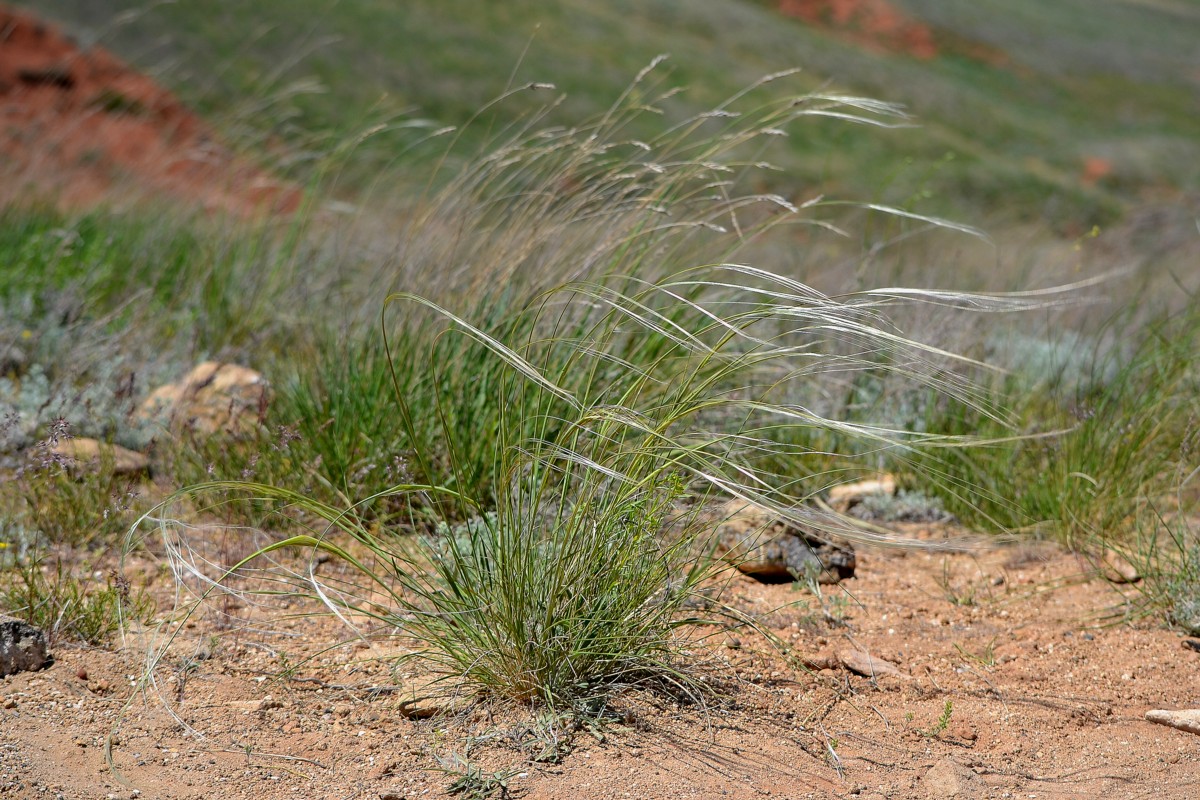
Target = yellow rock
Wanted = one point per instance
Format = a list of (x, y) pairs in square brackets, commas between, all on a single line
[(212, 398), (89, 454)]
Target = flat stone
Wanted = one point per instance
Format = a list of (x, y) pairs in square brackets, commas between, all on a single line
[(845, 496), (861, 662), (1187, 720), (92, 455), (22, 647)]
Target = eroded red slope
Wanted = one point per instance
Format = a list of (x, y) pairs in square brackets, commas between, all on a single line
[(80, 127), (875, 23)]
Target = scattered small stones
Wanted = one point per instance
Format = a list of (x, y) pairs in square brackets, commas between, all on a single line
[(1188, 720), (22, 647), (950, 779), (773, 550), (93, 456), (264, 704), (212, 398)]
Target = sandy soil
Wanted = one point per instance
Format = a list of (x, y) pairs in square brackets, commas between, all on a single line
[(1045, 700)]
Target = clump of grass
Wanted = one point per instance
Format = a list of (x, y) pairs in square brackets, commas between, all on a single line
[(570, 383), (1077, 454), (66, 504), (1165, 550), (55, 599)]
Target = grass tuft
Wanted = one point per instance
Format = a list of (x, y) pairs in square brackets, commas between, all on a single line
[(566, 396)]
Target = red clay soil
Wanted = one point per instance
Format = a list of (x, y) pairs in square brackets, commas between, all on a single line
[(1000, 679), (78, 127), (875, 23)]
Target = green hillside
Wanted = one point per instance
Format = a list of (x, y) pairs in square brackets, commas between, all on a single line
[(1004, 136)]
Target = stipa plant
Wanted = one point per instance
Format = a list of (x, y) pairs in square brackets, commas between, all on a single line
[(1166, 552), (571, 586), (1094, 448), (571, 397), (67, 503), (53, 598)]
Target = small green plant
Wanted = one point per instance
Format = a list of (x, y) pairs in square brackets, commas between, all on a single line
[(474, 783), (91, 508), (831, 754), (907, 505), (986, 657), (943, 722), (63, 502), (965, 597)]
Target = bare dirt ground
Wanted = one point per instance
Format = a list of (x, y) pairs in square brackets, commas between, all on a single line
[(1011, 685)]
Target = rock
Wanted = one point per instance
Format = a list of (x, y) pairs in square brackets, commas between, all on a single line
[(93, 456), (963, 731), (1116, 568), (772, 550), (22, 647), (949, 779), (861, 662), (212, 398), (846, 496), (1180, 720)]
